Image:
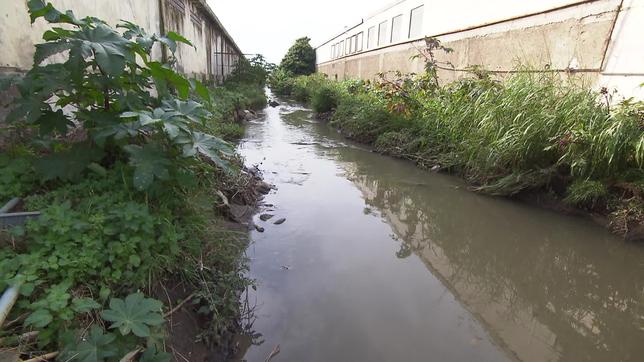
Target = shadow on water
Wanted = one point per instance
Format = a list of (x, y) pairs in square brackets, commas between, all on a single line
[(543, 286)]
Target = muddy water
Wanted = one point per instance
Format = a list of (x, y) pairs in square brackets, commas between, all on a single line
[(381, 261)]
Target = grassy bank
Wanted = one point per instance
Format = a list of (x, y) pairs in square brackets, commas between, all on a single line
[(532, 133), (130, 185)]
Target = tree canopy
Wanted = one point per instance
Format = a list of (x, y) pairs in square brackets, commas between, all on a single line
[(300, 58)]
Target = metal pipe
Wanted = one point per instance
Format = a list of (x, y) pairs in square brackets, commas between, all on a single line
[(7, 301), (10, 205)]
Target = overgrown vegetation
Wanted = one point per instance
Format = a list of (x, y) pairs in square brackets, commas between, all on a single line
[(125, 158), (532, 132), (300, 58)]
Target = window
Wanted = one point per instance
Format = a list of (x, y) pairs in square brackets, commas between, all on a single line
[(359, 41), (332, 51), (416, 22), (396, 28), (342, 48), (347, 46), (352, 47), (382, 33), (371, 37)]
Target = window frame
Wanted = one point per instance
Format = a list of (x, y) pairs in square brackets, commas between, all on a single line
[(400, 28), (372, 39), (411, 18), (382, 36), (359, 41)]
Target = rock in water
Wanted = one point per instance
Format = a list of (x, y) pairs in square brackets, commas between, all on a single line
[(280, 221), (259, 228), (265, 217), (264, 188), (273, 103)]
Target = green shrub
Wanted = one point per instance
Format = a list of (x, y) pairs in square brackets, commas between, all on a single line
[(324, 99), (281, 82)]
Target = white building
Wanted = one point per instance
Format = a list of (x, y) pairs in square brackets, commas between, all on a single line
[(603, 40)]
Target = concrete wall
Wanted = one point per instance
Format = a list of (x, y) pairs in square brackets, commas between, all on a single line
[(213, 59), (601, 40)]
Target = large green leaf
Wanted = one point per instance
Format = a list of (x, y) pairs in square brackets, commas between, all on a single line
[(210, 146), (38, 8), (135, 314), (149, 162), (109, 47), (45, 50), (171, 39), (53, 121), (95, 347)]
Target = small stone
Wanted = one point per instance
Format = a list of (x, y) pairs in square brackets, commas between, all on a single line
[(265, 217), (259, 228), (264, 188), (273, 103), (280, 221)]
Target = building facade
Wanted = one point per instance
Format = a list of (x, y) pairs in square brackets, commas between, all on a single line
[(212, 59), (602, 40)]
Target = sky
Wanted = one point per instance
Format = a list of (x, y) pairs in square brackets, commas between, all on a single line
[(271, 27)]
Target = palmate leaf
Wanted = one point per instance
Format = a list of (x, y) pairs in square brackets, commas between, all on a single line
[(210, 146), (38, 8), (135, 314), (110, 49), (45, 50), (171, 38), (149, 162), (96, 347), (191, 110), (53, 121)]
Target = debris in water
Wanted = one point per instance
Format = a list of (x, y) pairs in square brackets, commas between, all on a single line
[(259, 228), (280, 221), (273, 353), (265, 217), (285, 267)]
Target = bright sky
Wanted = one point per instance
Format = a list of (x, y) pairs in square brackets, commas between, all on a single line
[(271, 27)]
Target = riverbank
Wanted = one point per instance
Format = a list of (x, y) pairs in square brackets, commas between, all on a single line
[(531, 136), (133, 251), (399, 263)]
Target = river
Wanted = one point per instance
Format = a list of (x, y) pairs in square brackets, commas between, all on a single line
[(381, 261)]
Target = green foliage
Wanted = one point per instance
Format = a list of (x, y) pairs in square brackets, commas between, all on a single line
[(586, 193), (324, 98), (530, 132), (105, 82), (98, 235), (281, 82), (300, 58), (16, 177), (97, 346), (135, 314), (253, 71)]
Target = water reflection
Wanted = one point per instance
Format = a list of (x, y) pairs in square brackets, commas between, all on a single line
[(548, 287)]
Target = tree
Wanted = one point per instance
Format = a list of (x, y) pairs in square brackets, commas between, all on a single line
[(300, 58)]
